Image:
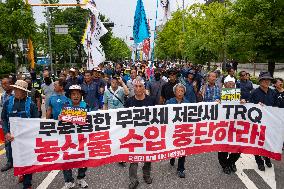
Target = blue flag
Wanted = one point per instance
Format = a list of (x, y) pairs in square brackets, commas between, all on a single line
[(140, 27)]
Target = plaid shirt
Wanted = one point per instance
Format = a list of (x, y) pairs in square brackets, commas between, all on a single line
[(212, 94)]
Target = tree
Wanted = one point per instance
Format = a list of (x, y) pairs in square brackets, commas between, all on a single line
[(16, 22), (119, 50)]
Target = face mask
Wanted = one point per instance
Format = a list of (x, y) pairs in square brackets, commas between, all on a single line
[(157, 76)]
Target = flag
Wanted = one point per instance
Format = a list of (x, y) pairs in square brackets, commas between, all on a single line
[(91, 38), (140, 27)]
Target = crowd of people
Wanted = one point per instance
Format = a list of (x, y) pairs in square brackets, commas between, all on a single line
[(112, 86)]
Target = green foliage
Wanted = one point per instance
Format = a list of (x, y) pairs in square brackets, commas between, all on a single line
[(244, 30), (6, 67), (119, 50), (16, 22)]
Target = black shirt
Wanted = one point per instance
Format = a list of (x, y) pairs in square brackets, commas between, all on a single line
[(133, 102), (268, 99), (167, 90), (279, 98)]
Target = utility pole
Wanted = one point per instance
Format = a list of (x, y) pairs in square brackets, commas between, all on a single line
[(49, 38)]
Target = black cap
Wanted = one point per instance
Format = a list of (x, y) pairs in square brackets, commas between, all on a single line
[(264, 75)]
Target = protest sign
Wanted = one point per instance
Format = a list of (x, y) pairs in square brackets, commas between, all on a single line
[(146, 134), (231, 95), (74, 115)]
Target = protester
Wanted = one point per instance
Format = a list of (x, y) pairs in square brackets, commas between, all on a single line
[(154, 87), (115, 95), (133, 75), (167, 89), (278, 84), (76, 94), (19, 105), (91, 90), (140, 99), (263, 95), (226, 160), (245, 85), (179, 91), (72, 80), (8, 92), (210, 92), (57, 101), (35, 96), (191, 87), (47, 87)]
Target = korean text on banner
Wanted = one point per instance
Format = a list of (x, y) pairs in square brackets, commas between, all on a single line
[(147, 134)]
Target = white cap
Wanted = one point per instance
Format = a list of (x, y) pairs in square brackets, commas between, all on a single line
[(75, 87), (72, 70), (229, 79)]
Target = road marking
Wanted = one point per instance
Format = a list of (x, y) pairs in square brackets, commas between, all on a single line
[(47, 181), (248, 162)]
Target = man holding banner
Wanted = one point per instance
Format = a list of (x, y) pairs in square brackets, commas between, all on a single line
[(140, 99), (22, 106), (263, 95)]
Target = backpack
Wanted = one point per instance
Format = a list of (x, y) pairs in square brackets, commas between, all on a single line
[(27, 105)]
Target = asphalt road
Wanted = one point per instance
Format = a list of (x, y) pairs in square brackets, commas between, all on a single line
[(202, 171)]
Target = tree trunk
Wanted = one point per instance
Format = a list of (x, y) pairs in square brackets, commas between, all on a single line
[(271, 67)]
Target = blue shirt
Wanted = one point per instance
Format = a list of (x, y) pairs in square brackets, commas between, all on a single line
[(212, 93), (190, 94), (174, 101), (111, 101), (56, 102), (91, 95), (246, 88)]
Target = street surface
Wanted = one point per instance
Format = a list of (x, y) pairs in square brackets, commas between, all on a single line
[(202, 171)]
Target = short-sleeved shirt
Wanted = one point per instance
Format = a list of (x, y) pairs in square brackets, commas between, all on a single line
[(280, 98), (155, 88), (133, 102), (111, 101), (56, 102), (212, 93)]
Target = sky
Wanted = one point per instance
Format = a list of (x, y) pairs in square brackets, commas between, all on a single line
[(121, 12)]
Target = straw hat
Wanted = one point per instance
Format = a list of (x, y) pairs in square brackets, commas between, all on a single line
[(21, 84)]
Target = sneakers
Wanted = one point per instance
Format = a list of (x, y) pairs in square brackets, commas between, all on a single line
[(261, 167), (7, 167), (82, 183), (268, 163), (148, 179), (227, 170), (133, 185), (181, 174), (68, 185), (233, 168)]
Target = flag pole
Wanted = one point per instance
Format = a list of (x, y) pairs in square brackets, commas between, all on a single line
[(155, 34)]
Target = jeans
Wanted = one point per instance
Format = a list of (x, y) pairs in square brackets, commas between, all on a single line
[(9, 155), (27, 181), (226, 161), (133, 171), (68, 174)]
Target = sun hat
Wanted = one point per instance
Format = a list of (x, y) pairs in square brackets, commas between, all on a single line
[(22, 85)]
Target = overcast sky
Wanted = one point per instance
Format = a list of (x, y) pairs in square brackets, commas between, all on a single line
[(121, 12)]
